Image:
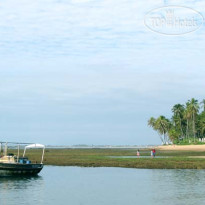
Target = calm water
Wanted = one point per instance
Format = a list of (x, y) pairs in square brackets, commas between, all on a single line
[(96, 186)]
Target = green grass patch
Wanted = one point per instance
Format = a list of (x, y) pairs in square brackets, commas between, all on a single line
[(101, 158)]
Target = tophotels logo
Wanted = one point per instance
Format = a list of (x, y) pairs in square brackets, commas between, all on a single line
[(173, 20)]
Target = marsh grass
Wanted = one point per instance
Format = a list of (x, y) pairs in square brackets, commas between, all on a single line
[(101, 158)]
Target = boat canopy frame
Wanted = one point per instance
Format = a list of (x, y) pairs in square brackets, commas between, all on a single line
[(29, 146), (35, 146)]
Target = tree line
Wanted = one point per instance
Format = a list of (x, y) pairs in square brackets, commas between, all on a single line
[(187, 123)]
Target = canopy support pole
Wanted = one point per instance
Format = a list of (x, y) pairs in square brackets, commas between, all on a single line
[(42, 155), (24, 152)]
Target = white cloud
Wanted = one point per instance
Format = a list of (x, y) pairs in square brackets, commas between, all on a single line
[(92, 61)]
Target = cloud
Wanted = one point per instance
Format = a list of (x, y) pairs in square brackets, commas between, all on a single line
[(92, 65)]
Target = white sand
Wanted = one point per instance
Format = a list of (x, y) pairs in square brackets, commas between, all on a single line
[(183, 147)]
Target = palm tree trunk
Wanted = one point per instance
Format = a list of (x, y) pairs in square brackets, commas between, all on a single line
[(187, 129), (181, 129), (164, 133), (194, 127)]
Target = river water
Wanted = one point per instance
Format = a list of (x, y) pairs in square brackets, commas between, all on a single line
[(105, 186)]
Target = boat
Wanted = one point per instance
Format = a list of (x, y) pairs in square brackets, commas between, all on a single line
[(16, 165)]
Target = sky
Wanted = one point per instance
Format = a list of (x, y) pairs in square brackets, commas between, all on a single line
[(91, 72)]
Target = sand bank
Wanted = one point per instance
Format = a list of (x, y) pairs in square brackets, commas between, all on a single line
[(182, 147)]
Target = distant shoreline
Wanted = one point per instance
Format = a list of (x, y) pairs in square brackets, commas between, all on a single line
[(103, 147), (158, 147)]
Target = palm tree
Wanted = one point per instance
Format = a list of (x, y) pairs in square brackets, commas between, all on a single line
[(162, 126), (193, 109), (178, 111), (187, 117), (186, 122), (202, 128), (152, 122), (203, 104)]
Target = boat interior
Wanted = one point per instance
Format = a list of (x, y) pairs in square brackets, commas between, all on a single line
[(16, 159)]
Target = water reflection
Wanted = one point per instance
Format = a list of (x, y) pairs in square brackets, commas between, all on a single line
[(100, 186), (20, 189), (179, 186), (19, 182)]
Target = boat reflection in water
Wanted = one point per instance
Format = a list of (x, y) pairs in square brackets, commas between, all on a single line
[(14, 165)]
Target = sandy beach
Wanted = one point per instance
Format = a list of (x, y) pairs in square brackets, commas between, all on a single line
[(182, 147)]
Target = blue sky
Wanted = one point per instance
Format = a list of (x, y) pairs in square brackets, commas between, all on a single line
[(90, 72)]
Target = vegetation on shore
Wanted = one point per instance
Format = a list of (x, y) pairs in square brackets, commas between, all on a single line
[(101, 158), (186, 126)]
